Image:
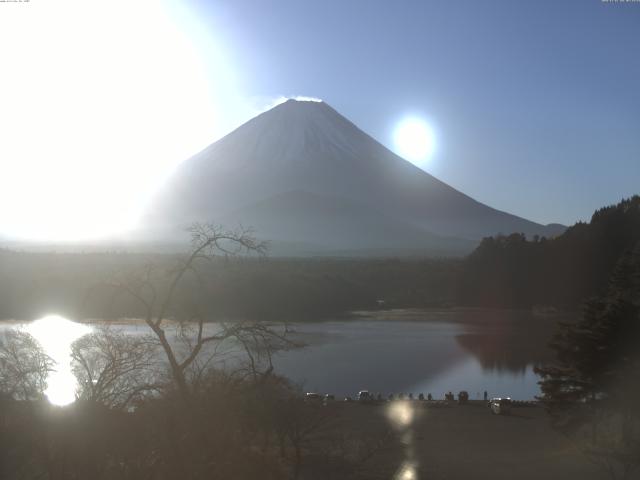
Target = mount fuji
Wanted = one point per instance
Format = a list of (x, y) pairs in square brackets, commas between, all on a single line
[(311, 182)]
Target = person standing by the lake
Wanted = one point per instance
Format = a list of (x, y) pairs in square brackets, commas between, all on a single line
[(485, 396)]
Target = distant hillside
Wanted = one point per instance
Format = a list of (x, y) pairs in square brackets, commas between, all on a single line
[(302, 174), (73, 284), (341, 226), (564, 271)]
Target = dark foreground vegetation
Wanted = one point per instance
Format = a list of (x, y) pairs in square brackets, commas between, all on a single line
[(230, 426), (250, 432)]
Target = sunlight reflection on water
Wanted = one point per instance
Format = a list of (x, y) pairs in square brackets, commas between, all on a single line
[(55, 335)]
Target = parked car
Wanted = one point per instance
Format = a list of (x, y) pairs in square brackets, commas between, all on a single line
[(312, 397), (500, 406)]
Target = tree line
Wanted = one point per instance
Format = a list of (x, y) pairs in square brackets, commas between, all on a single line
[(513, 271), (259, 288)]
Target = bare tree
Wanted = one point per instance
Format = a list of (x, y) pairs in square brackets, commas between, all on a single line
[(208, 241), (299, 422), (24, 366), (115, 369)]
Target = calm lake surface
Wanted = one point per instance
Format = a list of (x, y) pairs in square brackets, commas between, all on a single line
[(413, 351), (409, 351)]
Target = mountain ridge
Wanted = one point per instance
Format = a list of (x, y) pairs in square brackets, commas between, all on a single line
[(309, 147)]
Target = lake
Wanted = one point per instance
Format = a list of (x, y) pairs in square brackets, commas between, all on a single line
[(422, 351), (397, 351)]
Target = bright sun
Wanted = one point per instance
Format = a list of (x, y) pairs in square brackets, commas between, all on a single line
[(99, 101), (414, 140)]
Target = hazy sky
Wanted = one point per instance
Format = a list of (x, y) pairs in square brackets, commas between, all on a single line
[(536, 104)]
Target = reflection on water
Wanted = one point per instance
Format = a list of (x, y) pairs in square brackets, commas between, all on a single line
[(55, 335), (470, 375), (507, 349), (496, 353), (422, 352)]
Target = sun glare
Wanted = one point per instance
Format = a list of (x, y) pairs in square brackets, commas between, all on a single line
[(407, 472), (414, 140), (400, 413), (100, 100), (55, 335)]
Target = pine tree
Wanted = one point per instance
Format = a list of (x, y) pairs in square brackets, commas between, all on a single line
[(593, 390)]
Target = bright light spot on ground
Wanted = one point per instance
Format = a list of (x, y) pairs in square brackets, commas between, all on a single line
[(55, 335), (407, 472), (414, 140), (401, 413), (99, 101)]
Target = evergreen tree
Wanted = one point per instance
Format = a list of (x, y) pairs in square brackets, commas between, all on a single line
[(593, 390)]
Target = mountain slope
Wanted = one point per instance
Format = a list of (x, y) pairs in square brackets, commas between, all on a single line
[(308, 147), (336, 224)]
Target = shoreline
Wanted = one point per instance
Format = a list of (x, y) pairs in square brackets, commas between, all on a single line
[(412, 314)]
